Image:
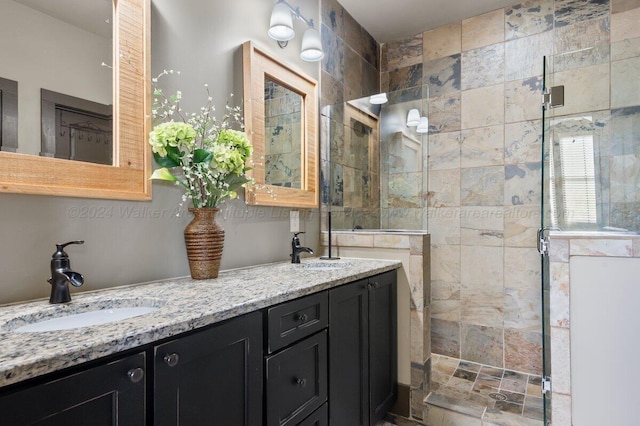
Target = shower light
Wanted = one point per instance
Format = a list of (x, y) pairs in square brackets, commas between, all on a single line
[(413, 118), (423, 126), (281, 30), (380, 98)]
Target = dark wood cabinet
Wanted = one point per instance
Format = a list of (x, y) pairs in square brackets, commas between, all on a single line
[(296, 376), (383, 345), (296, 381), (329, 358), (213, 376), (320, 417), (109, 394), (362, 350)]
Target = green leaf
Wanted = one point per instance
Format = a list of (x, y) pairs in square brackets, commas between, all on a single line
[(202, 156), (235, 181), (167, 161), (163, 174), (175, 154)]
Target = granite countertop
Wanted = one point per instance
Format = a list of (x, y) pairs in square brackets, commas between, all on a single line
[(184, 304)]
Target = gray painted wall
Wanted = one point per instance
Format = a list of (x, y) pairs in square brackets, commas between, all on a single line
[(130, 242)]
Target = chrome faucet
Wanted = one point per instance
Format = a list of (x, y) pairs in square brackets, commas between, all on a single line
[(62, 275), (296, 248)]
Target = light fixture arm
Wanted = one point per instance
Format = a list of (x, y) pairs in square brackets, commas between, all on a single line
[(296, 12)]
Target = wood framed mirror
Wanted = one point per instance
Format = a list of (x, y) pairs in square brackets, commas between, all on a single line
[(127, 177), (281, 119)]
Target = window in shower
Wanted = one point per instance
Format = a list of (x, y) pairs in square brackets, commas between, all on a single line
[(575, 180)]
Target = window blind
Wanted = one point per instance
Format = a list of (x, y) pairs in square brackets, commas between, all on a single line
[(577, 180)]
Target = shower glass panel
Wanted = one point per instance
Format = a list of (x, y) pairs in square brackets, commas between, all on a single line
[(545, 219), (591, 151), (372, 169)]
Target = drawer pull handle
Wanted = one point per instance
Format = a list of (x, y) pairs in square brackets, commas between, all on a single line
[(172, 359), (301, 382), (301, 317), (135, 374)]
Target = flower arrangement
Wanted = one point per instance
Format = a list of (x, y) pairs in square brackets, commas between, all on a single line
[(202, 154)]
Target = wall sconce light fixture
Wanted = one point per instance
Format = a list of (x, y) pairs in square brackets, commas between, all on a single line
[(380, 98), (281, 30), (423, 126), (413, 118)]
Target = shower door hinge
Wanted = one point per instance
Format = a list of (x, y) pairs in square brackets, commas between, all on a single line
[(546, 384), (543, 243), (553, 97)]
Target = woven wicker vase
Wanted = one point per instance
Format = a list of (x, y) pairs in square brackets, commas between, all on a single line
[(204, 239)]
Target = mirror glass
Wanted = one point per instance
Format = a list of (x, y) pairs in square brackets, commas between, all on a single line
[(8, 115), (69, 45), (283, 135), (281, 119)]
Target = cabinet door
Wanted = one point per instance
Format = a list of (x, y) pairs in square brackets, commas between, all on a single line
[(211, 377), (110, 394), (383, 345), (349, 354)]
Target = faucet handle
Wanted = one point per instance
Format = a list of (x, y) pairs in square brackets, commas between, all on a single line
[(60, 254), (295, 234)]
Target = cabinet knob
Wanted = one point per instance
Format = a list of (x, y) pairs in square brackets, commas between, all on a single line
[(172, 359), (301, 317), (375, 284), (301, 382), (135, 374)]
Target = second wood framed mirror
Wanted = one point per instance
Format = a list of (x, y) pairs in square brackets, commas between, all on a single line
[(281, 118)]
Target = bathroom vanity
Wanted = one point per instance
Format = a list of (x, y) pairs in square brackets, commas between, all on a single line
[(279, 344)]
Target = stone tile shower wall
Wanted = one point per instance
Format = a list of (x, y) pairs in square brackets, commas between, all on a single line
[(483, 164)]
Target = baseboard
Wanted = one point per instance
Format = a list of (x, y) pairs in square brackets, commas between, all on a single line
[(402, 406)]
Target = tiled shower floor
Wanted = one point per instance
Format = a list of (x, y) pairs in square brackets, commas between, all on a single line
[(485, 393)]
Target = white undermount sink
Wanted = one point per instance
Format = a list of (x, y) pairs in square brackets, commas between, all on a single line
[(85, 319), (79, 315), (324, 266)]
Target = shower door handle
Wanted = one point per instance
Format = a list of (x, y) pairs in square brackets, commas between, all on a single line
[(543, 242)]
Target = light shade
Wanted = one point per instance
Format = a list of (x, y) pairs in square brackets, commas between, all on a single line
[(311, 46), (380, 98), (413, 118), (281, 26), (423, 126)]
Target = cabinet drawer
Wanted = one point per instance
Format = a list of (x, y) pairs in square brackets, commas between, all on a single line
[(295, 320), (320, 417), (296, 381)]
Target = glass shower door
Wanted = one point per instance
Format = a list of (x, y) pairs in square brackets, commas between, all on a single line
[(545, 224)]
